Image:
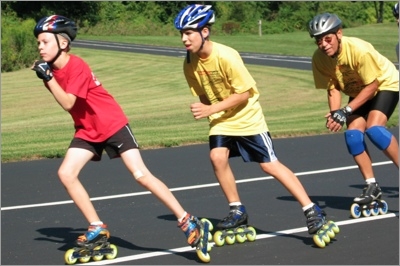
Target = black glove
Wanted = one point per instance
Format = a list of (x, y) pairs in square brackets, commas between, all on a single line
[(43, 70), (340, 116)]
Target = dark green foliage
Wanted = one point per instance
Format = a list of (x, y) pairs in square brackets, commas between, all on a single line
[(156, 18)]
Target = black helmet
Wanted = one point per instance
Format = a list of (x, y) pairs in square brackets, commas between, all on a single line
[(396, 10), (323, 24), (58, 25)]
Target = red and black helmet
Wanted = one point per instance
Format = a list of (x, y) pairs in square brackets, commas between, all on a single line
[(56, 24)]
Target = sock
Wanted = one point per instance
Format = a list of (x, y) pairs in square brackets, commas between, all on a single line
[(236, 203), (96, 223), (370, 180), (181, 219), (308, 206)]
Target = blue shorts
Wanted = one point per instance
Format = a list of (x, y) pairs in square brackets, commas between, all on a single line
[(255, 148), (118, 143)]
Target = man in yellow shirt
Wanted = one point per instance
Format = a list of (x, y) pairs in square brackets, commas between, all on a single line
[(351, 66), (229, 99)]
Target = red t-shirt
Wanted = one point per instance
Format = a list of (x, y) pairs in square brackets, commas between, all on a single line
[(96, 114)]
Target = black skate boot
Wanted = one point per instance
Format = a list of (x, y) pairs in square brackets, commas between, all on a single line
[(237, 216), (370, 193), (315, 219), (234, 228)]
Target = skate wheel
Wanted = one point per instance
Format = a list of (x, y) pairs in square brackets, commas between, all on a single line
[(240, 236), (334, 227), (84, 259), (210, 225), (355, 210), (319, 241), (375, 209), (330, 232), (218, 239), (98, 257), (252, 235), (209, 247), (230, 238), (68, 257), (385, 207), (114, 253), (366, 212), (326, 238), (203, 257)]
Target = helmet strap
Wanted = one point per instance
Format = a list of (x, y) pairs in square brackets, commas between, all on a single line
[(59, 50), (335, 55)]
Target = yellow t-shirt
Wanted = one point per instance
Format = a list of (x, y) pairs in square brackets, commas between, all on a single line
[(217, 77), (357, 65)]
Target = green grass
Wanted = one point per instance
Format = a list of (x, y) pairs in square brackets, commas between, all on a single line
[(154, 95)]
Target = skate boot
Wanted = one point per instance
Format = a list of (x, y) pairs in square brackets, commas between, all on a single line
[(93, 244), (198, 235), (94, 234), (234, 227), (369, 202), (317, 225)]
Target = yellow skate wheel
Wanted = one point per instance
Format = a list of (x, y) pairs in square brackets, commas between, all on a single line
[(230, 238), (114, 252), (330, 232), (218, 239), (334, 227), (240, 236), (68, 257), (326, 238), (210, 225), (84, 259), (209, 247), (252, 235), (319, 241), (98, 257), (203, 257)]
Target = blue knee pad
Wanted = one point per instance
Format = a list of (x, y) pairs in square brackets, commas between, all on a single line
[(379, 136), (355, 141)]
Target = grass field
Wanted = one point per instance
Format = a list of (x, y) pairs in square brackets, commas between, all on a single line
[(154, 95)]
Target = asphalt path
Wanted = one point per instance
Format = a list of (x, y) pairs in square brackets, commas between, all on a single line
[(40, 222)]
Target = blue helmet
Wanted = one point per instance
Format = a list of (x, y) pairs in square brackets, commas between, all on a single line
[(194, 17)]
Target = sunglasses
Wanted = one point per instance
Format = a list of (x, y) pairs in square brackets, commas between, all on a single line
[(327, 39)]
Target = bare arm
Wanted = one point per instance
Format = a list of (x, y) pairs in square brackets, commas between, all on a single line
[(66, 100), (366, 94), (204, 109)]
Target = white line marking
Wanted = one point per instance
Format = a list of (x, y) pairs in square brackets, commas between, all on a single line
[(186, 188), (262, 236)]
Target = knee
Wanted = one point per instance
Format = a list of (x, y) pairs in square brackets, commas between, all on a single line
[(379, 136), (355, 141), (217, 158), (66, 176)]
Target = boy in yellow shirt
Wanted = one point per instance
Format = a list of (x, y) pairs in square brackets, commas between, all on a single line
[(229, 99)]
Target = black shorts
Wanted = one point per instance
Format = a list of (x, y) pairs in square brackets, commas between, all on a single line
[(118, 143), (255, 148), (384, 101)]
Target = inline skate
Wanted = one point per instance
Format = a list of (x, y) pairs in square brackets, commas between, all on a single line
[(198, 235), (234, 228), (93, 244), (321, 229), (369, 202)]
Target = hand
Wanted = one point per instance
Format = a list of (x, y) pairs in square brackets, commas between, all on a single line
[(200, 110), (43, 70), (340, 116)]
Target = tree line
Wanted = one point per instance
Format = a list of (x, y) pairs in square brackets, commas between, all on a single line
[(156, 18)]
